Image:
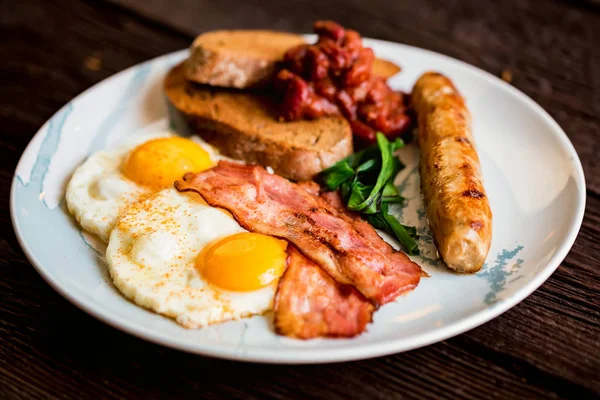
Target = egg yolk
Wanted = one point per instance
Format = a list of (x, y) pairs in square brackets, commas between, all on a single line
[(243, 262), (158, 163)]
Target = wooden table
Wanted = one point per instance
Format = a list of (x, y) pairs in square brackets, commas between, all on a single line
[(548, 346)]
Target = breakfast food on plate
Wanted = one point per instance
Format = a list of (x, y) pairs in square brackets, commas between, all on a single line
[(316, 97), (247, 58), (108, 181), (177, 256), (455, 199), (335, 77), (244, 126), (339, 270), (347, 248), (271, 209)]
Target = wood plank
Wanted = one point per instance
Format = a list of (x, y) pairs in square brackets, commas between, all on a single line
[(546, 347)]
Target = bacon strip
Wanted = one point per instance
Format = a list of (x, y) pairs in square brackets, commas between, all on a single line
[(309, 304), (351, 253)]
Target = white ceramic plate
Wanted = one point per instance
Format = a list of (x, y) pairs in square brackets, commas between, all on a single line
[(532, 174)]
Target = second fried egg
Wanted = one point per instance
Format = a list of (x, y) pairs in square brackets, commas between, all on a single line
[(177, 256)]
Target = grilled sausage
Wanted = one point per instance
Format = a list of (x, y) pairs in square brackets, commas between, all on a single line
[(451, 181)]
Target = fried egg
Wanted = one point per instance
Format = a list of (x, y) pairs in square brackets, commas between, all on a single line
[(109, 181), (179, 257)]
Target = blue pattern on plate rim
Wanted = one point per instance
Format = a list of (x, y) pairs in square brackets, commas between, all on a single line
[(28, 194), (497, 274), (47, 150)]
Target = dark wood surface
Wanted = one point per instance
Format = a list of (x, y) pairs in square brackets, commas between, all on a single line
[(546, 347)]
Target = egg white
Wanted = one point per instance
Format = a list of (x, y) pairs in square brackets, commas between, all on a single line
[(151, 257)]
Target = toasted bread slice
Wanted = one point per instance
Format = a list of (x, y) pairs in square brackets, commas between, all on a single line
[(244, 126), (248, 58)]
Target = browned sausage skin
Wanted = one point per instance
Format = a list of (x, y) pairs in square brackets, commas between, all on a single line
[(451, 181)]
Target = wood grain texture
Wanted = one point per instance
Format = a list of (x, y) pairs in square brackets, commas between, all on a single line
[(546, 347)]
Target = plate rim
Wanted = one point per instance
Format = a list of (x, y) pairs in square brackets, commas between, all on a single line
[(315, 355)]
